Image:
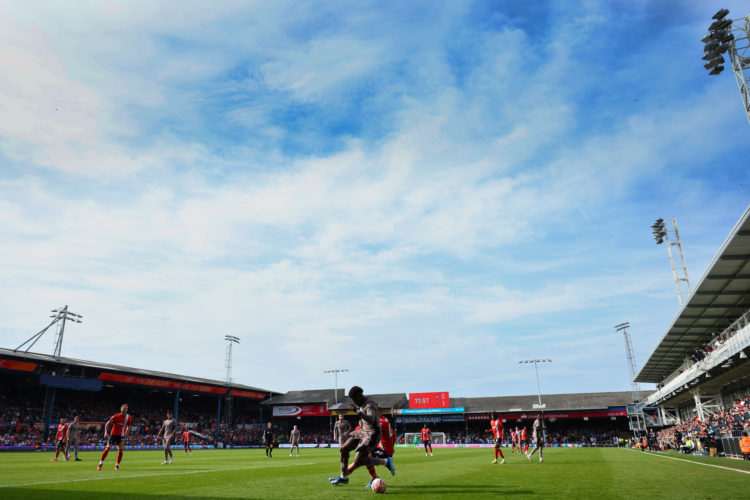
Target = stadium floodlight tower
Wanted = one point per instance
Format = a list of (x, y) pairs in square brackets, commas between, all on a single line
[(731, 37), (539, 406), (336, 382), (635, 387), (231, 340), (59, 317), (659, 230)]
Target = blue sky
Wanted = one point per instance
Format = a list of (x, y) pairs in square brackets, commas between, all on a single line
[(423, 193)]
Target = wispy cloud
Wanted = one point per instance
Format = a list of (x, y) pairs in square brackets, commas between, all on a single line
[(441, 180)]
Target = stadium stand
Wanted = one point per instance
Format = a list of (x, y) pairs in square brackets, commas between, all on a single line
[(38, 389), (701, 365)]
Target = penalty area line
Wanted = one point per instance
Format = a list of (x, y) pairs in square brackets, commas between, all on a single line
[(104, 478), (692, 461)]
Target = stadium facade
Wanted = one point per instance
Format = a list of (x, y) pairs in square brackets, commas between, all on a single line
[(700, 364)]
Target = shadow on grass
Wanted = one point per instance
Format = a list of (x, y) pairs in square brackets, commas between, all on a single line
[(34, 493), (447, 489)]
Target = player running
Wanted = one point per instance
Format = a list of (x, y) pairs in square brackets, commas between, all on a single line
[(186, 441), (120, 424), (386, 448), (169, 429), (74, 435), (363, 440), (538, 435), (496, 427), (268, 437), (62, 439), (294, 438), (427, 441)]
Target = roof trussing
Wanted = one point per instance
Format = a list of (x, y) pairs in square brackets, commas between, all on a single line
[(48, 359), (721, 296)]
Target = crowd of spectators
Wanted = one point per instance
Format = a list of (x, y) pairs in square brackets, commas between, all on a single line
[(592, 436), (700, 433)]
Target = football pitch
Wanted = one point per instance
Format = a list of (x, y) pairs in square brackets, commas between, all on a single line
[(451, 473)]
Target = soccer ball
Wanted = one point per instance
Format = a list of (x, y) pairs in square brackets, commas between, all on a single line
[(378, 486)]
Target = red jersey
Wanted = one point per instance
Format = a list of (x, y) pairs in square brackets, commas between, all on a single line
[(119, 423), (387, 436), (513, 436), (62, 431), (186, 436), (497, 428), (426, 434), (523, 434)]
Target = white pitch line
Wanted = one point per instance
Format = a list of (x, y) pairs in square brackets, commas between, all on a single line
[(150, 475), (693, 462)]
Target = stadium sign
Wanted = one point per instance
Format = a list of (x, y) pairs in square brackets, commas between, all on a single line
[(428, 411), (429, 419), (316, 410), (422, 400), (21, 366)]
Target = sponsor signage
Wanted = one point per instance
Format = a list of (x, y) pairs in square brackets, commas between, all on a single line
[(612, 412), (312, 410), (21, 366), (247, 394), (429, 419), (77, 384), (428, 411), (155, 382), (421, 400)]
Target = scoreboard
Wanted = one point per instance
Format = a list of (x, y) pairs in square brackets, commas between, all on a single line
[(424, 400)]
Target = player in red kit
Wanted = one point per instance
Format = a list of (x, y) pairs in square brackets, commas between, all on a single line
[(427, 440), (514, 439), (523, 441), (386, 448), (120, 424), (496, 427), (61, 438), (186, 441)]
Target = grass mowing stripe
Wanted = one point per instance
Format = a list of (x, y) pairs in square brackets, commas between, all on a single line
[(691, 461), (151, 475)]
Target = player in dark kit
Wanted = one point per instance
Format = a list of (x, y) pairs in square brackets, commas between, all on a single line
[(268, 437), (364, 440), (120, 424), (62, 440)]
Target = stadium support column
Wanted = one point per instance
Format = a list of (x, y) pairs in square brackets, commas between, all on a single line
[(218, 417), (48, 414), (176, 404), (698, 405)]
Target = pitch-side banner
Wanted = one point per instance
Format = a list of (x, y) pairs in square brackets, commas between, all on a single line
[(317, 410), (421, 400)]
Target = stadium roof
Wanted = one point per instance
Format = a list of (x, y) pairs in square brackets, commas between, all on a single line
[(553, 402), (304, 397), (720, 297), (46, 358)]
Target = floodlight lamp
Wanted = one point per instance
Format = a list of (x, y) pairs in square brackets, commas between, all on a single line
[(721, 14), (707, 38), (714, 62), (720, 25), (716, 70), (711, 45)]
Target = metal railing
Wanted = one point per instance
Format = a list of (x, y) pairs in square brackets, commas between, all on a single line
[(733, 344)]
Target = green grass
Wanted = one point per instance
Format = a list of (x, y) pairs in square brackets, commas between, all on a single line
[(451, 473)]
